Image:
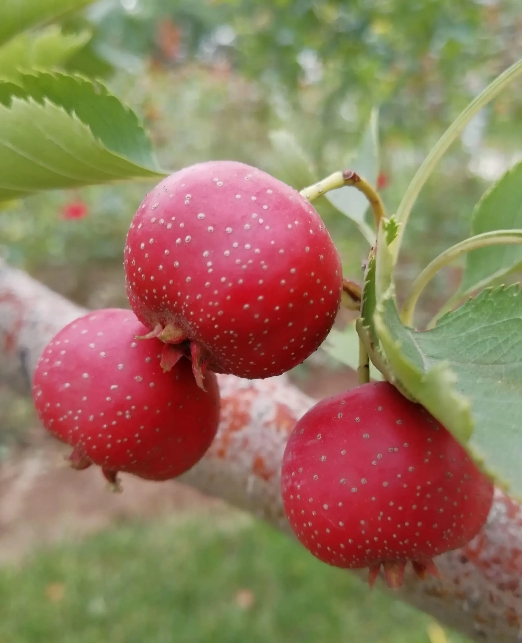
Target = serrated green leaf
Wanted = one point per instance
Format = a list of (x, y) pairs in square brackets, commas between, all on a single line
[(387, 239), (377, 281), (8, 91), (19, 15), (500, 208), (351, 202), (468, 373), (391, 230), (369, 297), (110, 121), (292, 163), (47, 49), (344, 347), (62, 131)]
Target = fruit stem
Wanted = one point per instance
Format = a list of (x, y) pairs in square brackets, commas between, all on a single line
[(342, 179), (363, 369), (496, 237), (352, 295), (377, 359)]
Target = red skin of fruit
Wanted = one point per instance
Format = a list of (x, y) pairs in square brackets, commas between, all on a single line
[(103, 392), (370, 478), (235, 267)]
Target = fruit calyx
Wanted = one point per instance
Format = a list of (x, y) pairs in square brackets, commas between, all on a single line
[(393, 571), (102, 392), (178, 345)]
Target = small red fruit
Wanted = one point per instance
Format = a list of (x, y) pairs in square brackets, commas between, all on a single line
[(104, 393), (383, 180), (75, 210), (234, 267), (370, 478)]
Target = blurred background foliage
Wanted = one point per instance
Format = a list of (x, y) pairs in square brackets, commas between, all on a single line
[(212, 79)]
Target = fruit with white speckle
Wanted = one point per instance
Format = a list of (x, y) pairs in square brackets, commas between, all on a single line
[(103, 392), (232, 268), (370, 479)]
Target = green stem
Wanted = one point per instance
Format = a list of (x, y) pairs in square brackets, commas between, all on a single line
[(363, 368), (366, 348), (454, 130), (497, 237), (366, 343), (341, 179)]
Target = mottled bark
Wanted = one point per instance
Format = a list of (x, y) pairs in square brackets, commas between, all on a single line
[(480, 592)]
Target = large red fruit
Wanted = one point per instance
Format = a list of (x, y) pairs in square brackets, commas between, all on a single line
[(104, 393), (370, 478), (233, 266)]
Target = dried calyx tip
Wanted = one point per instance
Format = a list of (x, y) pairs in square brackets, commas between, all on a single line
[(199, 363), (170, 356), (394, 572), (78, 459), (155, 332), (114, 485)]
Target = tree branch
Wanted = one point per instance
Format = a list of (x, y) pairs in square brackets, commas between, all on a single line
[(480, 592)]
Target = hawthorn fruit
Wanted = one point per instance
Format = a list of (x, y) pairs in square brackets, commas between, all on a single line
[(370, 479)]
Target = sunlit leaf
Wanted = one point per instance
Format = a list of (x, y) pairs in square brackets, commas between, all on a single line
[(291, 163), (349, 201), (20, 15), (47, 49), (59, 131), (468, 373), (499, 209)]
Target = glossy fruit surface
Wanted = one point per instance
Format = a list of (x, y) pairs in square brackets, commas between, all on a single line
[(103, 392), (370, 478), (233, 267)]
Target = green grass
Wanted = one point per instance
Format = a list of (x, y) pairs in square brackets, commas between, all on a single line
[(178, 582)]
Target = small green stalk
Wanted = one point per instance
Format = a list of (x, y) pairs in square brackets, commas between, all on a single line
[(452, 133), (363, 368), (497, 237), (341, 179)]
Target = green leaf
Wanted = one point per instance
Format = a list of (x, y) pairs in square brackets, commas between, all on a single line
[(59, 131), (20, 15), (468, 373), (377, 282), (344, 347), (483, 240), (499, 209), (47, 49), (387, 240), (351, 202), (378, 275), (369, 297), (292, 163)]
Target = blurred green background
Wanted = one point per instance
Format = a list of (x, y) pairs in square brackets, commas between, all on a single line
[(211, 79)]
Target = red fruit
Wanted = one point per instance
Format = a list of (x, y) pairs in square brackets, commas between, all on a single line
[(75, 210), (370, 478), (234, 267), (99, 390), (383, 180)]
